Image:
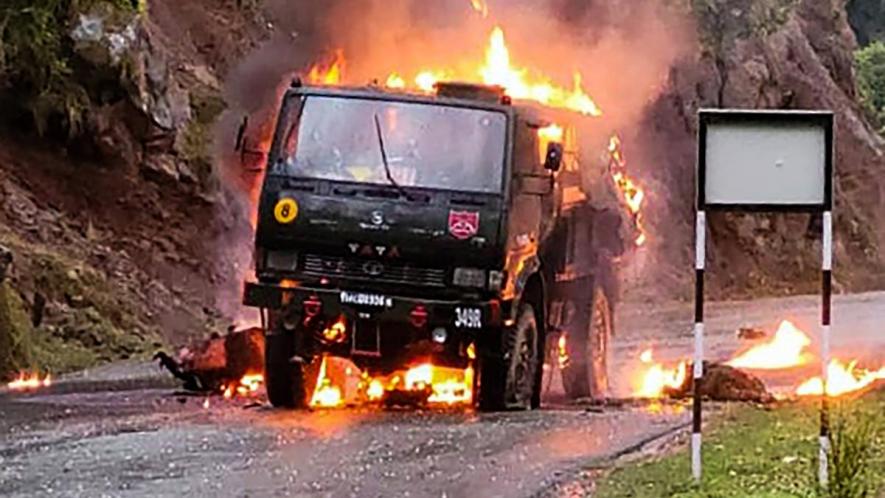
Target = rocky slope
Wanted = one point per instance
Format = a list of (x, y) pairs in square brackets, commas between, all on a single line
[(767, 54)]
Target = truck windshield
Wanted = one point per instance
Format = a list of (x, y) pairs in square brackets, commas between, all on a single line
[(430, 146)]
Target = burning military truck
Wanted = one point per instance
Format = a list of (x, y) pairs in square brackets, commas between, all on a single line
[(451, 229)]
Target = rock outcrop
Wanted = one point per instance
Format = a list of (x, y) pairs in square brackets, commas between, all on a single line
[(756, 54)]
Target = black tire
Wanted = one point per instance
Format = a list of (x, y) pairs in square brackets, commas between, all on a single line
[(509, 380), (588, 346), (283, 377)]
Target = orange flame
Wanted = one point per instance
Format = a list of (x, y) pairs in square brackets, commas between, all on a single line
[(632, 193), (448, 385), (480, 6), (29, 382), (395, 81), (325, 395), (562, 350), (454, 390), (841, 379), (496, 69), (329, 75), (337, 332), (785, 350), (657, 377), (248, 385)]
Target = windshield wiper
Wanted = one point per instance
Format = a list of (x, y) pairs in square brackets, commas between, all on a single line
[(384, 160)]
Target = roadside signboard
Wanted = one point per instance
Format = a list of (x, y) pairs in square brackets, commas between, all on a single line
[(766, 161)]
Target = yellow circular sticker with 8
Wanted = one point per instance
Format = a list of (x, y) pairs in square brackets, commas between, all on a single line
[(286, 210)]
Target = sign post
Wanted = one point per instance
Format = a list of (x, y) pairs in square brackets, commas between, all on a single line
[(764, 161)]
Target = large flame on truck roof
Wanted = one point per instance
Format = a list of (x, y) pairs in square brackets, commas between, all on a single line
[(496, 69)]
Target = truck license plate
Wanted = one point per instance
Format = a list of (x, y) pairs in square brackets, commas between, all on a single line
[(469, 318), (366, 299)]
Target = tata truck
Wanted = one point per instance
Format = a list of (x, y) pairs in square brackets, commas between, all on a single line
[(452, 227)]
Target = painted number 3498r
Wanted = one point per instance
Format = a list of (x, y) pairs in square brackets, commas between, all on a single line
[(469, 318)]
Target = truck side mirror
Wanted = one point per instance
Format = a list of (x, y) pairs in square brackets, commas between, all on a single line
[(554, 157), (251, 158)]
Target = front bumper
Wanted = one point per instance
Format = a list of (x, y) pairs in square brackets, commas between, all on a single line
[(466, 315)]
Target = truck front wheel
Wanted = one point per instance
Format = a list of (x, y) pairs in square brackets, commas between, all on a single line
[(283, 377), (588, 346), (507, 379)]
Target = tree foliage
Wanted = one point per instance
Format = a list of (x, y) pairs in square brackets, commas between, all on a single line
[(36, 57), (870, 63)]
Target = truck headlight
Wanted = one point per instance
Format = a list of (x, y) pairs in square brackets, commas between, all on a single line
[(282, 260), (469, 277)]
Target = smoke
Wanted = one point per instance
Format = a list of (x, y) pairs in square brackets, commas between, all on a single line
[(623, 49)]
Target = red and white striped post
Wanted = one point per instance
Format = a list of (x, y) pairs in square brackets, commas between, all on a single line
[(826, 293), (698, 368)]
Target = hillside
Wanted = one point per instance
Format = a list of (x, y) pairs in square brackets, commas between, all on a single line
[(128, 217)]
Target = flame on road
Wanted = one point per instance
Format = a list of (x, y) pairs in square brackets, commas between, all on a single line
[(29, 382), (448, 385), (325, 394), (248, 385), (656, 377), (785, 350), (841, 379)]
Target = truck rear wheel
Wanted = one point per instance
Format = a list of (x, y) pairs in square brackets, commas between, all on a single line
[(283, 377), (588, 347), (507, 381)]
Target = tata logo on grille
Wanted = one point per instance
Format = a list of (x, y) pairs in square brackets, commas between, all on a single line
[(373, 268), (463, 224)]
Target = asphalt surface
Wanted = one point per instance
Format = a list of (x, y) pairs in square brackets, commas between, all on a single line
[(123, 431)]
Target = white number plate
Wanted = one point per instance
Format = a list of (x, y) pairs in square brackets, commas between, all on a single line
[(469, 318), (365, 299)]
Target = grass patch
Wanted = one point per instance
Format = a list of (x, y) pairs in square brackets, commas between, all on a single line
[(755, 452)]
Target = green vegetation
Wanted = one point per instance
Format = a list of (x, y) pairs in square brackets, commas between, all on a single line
[(92, 321), (753, 451), (870, 62), (196, 140), (36, 58), (721, 22)]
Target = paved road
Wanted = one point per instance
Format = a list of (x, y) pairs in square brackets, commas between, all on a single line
[(110, 434)]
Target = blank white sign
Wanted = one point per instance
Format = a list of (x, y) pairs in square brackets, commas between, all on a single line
[(759, 163)]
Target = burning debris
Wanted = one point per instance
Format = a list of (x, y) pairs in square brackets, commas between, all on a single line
[(230, 364), (724, 383), (786, 350)]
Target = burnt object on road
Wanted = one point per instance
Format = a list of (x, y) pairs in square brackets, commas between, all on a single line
[(724, 383), (213, 363), (751, 334)]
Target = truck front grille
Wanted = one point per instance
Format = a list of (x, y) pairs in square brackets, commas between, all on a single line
[(372, 271)]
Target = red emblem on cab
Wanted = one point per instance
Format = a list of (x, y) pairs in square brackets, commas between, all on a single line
[(463, 224)]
